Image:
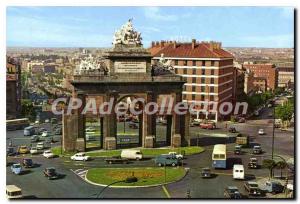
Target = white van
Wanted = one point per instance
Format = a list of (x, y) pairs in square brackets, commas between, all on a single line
[(238, 171), (13, 192), (131, 154)]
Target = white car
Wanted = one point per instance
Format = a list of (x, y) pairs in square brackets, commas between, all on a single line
[(80, 157), (178, 156), (34, 150), (45, 134), (48, 154), (261, 132), (47, 121), (40, 145)]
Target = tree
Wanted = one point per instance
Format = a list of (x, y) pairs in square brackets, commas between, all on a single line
[(281, 165), (285, 112), (28, 109), (269, 164)]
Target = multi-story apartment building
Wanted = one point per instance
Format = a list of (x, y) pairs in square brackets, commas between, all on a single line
[(260, 84), (238, 81), (267, 71), (285, 76), (13, 89), (249, 87), (207, 68)]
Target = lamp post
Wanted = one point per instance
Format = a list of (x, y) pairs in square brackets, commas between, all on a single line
[(273, 135)]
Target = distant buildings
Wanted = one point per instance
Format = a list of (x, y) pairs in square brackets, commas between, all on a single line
[(285, 77), (266, 71), (13, 89), (207, 67)]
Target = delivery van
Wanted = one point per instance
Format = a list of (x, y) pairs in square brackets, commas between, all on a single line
[(238, 171), (13, 192), (131, 154)]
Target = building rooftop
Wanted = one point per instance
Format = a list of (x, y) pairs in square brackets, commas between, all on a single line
[(189, 50)]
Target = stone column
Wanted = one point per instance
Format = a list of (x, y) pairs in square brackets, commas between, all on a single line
[(149, 123), (110, 123), (80, 142), (176, 123)]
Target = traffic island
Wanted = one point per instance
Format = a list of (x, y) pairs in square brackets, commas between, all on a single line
[(146, 177)]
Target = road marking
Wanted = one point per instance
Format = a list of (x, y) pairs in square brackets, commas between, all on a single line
[(166, 191)]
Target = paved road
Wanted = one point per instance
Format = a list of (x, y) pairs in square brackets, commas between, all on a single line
[(72, 186)]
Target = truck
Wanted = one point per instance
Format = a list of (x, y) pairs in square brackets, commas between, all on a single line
[(132, 154), (272, 186), (242, 140), (238, 172), (116, 160)]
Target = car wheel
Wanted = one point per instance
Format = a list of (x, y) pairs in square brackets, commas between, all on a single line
[(137, 159), (173, 164)]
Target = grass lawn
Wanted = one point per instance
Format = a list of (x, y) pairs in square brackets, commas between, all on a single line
[(146, 152), (146, 176)]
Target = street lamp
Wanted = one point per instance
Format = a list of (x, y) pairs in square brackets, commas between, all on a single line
[(273, 136), (131, 179)]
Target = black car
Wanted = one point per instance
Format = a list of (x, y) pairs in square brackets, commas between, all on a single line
[(50, 173), (35, 138), (232, 192), (27, 163), (206, 173), (232, 130), (252, 188), (237, 149), (253, 163)]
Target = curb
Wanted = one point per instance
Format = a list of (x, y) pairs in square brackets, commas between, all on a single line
[(148, 186)]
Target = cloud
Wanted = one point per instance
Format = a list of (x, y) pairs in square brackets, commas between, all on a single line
[(154, 13)]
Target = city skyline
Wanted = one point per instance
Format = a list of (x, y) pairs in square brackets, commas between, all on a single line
[(270, 27)]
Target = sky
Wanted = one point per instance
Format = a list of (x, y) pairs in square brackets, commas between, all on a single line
[(95, 26)]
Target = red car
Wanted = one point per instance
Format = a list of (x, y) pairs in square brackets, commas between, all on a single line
[(208, 125)]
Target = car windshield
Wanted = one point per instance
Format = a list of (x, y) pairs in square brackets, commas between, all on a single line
[(17, 166), (253, 185), (28, 161), (51, 170)]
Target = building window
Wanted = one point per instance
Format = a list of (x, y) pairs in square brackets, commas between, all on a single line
[(212, 80), (194, 63), (193, 88), (194, 80), (202, 88), (211, 98), (176, 71), (185, 63), (203, 63), (212, 72), (212, 63), (202, 98), (184, 71), (193, 96), (176, 62), (202, 80), (202, 71), (211, 89), (194, 71)]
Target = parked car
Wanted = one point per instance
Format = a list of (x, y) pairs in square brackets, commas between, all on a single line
[(253, 163), (252, 188), (50, 173), (23, 149), (208, 125), (35, 138), (232, 192), (10, 151), (237, 149), (58, 131), (238, 172), (27, 163), (132, 154), (80, 157), (16, 168), (178, 156), (41, 130), (272, 186), (261, 132), (48, 154), (13, 192), (206, 173), (166, 159), (232, 129), (40, 146), (257, 149), (34, 150)]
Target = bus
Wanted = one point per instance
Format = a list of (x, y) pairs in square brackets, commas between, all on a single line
[(28, 131), (17, 124), (219, 156)]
